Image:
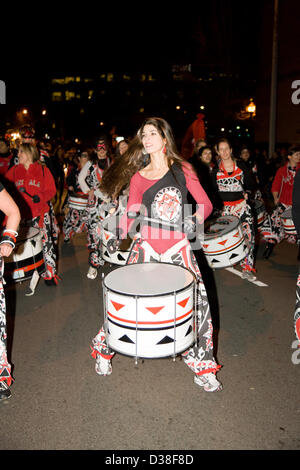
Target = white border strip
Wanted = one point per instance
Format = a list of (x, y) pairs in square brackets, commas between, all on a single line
[(238, 273)]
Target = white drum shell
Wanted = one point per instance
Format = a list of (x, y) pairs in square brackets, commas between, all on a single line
[(78, 203), (225, 248), (120, 257), (287, 222), (150, 326), (26, 257)]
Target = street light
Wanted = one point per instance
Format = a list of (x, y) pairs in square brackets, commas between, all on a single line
[(251, 108)]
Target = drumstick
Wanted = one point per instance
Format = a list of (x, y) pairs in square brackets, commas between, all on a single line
[(137, 215), (35, 198), (23, 190)]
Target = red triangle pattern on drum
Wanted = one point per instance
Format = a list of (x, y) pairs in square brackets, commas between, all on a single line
[(236, 234), (154, 310), (183, 303), (204, 246), (117, 305), (223, 242)]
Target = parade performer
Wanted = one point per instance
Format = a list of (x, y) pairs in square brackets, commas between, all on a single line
[(27, 133), (296, 220), (159, 181), (282, 190), (7, 244), (234, 182), (75, 220), (7, 159), (89, 181), (34, 188)]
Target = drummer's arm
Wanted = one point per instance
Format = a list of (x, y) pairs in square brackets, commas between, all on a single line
[(82, 176), (49, 186), (205, 206), (12, 220), (135, 198), (275, 197)]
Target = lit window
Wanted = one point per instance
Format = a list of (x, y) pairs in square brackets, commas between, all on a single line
[(59, 81), (69, 79), (110, 77), (57, 96), (70, 95)]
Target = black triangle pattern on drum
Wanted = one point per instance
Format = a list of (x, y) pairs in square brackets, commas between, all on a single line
[(166, 340), (125, 339), (33, 242), (189, 330), (120, 257), (233, 255), (215, 261)]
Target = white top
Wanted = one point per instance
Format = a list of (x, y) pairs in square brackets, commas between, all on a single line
[(148, 279)]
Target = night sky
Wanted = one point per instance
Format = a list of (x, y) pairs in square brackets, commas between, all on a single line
[(213, 34)]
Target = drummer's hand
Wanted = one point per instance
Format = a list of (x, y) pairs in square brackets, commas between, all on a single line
[(189, 225), (113, 245), (246, 196), (5, 249)]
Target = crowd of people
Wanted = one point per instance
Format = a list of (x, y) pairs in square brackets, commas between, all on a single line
[(63, 192)]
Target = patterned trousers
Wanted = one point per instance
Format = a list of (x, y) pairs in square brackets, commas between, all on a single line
[(94, 241), (297, 309), (49, 251), (244, 213), (75, 221), (5, 368), (199, 358), (272, 228)]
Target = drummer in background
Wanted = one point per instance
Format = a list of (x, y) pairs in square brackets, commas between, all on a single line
[(34, 189), (159, 181), (7, 244), (204, 163), (75, 220), (89, 181), (296, 220), (254, 167), (234, 182), (282, 189)]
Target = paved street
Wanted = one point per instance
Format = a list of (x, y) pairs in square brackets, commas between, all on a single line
[(59, 402)]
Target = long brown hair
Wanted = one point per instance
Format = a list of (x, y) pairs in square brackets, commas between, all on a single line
[(117, 177)]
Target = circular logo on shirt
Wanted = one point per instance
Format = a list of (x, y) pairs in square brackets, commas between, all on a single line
[(167, 204)]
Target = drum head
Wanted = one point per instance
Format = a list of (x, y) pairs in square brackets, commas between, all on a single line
[(220, 226), (27, 232), (148, 279)]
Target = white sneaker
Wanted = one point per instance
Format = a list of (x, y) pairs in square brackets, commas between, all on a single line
[(209, 382), (248, 275), (92, 273), (103, 366)]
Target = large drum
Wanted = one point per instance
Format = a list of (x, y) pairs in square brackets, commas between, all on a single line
[(27, 256), (259, 212), (120, 256), (149, 309), (76, 202), (287, 222), (224, 243)]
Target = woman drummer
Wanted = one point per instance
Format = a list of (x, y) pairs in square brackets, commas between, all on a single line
[(234, 182), (159, 182), (89, 181), (75, 221), (7, 244), (34, 189)]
